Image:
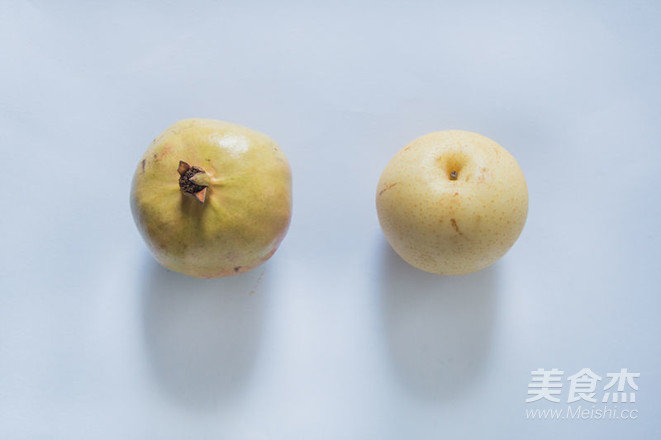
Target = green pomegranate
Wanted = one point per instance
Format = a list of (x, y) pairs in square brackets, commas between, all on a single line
[(212, 198)]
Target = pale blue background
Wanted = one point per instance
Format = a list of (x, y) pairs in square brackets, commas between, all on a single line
[(341, 339)]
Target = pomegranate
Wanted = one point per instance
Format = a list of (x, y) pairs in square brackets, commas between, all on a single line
[(212, 198)]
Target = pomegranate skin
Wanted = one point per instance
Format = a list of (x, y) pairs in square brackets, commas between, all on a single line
[(212, 198)]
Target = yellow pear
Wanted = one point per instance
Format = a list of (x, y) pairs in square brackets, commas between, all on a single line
[(452, 202), (212, 198)]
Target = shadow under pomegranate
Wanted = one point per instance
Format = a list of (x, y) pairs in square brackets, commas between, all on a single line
[(202, 336)]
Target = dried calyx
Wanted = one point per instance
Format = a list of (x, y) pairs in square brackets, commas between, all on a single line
[(193, 181)]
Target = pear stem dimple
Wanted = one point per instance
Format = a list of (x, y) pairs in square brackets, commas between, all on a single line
[(193, 181)]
